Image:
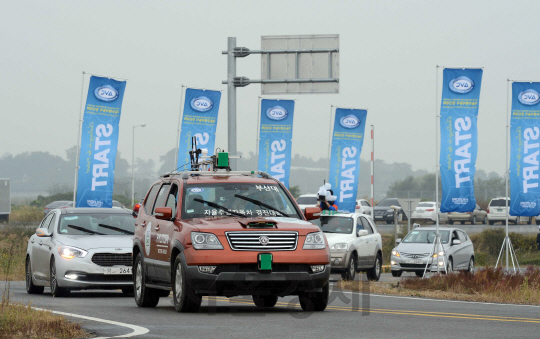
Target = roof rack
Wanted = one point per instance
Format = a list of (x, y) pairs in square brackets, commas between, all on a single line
[(187, 174)]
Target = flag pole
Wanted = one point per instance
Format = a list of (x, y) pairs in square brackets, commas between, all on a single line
[(77, 155)]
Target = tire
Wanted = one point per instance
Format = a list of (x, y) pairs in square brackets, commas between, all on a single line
[(184, 297), (538, 221), (56, 290), (315, 302), (265, 300), (450, 266), (491, 222), (462, 222), (374, 273), (516, 222), (450, 221), (529, 222), (144, 296), (419, 274), (473, 222), (30, 287), (350, 271), (397, 273), (485, 220), (470, 269)]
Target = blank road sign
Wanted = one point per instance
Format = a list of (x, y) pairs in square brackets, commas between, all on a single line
[(312, 59)]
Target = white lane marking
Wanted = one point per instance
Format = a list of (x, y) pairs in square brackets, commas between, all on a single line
[(137, 330), (443, 300)]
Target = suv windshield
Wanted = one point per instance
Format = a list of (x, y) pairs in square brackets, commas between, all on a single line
[(98, 223), (307, 200), (243, 199), (332, 224), (388, 202), (499, 203), (425, 237)]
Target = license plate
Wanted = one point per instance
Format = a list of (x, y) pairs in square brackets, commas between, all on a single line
[(378, 217), (499, 209), (117, 270), (414, 261), (265, 261)]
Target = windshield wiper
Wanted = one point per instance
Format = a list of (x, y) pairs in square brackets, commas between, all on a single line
[(223, 208), (78, 228), (118, 229), (260, 203)]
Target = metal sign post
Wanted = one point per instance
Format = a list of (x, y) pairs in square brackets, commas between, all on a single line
[(409, 205)]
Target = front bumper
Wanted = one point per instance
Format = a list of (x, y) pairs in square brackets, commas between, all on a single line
[(256, 283), (400, 264), (339, 260)]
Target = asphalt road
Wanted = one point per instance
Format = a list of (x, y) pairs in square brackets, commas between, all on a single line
[(348, 315)]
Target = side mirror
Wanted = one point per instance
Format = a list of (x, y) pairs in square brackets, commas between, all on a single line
[(456, 242), (415, 225), (312, 213), (362, 233), (136, 208), (163, 213), (42, 233), (398, 240)]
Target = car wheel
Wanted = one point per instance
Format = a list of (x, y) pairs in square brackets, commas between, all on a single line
[(529, 221), (397, 273), (450, 266), (450, 221), (491, 222), (462, 222), (419, 274), (30, 287), (184, 297), (374, 273), (470, 269), (473, 222), (316, 301), (516, 222), (538, 221), (144, 296), (350, 271), (485, 220), (265, 300), (56, 290)]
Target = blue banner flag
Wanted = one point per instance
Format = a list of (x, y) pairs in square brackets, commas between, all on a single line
[(99, 140), (525, 149), (276, 138), (347, 141), (459, 138), (201, 108)]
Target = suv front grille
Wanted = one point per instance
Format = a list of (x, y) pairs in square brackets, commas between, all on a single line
[(253, 241), (250, 268), (112, 259)]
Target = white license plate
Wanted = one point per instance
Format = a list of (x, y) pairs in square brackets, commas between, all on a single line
[(117, 270), (499, 209), (378, 217), (413, 261)]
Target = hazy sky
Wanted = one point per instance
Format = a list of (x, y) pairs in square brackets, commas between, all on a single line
[(388, 53)]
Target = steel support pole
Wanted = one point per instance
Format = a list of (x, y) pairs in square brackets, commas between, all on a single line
[(507, 170), (231, 100), (133, 168), (179, 129), (372, 170), (77, 155), (437, 165)]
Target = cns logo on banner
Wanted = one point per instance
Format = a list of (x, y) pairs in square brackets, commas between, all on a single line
[(347, 141), (459, 138), (525, 149), (99, 140), (199, 119), (275, 138)]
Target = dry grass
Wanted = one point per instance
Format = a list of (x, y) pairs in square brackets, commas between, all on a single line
[(19, 321), (26, 214), (486, 285), (13, 244)]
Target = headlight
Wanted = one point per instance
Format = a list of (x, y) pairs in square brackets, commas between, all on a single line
[(314, 241), (340, 247), (395, 253), (389, 210), (440, 254), (205, 241), (68, 252)]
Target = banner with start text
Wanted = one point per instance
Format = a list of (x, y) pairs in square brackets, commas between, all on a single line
[(459, 138), (275, 142), (525, 149), (99, 140), (347, 141), (199, 119)]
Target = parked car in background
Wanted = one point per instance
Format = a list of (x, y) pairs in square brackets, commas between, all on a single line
[(413, 252), (117, 204), (81, 248), (363, 206), (355, 244), (473, 217), (383, 212), (57, 204), (307, 200), (497, 212), (426, 211)]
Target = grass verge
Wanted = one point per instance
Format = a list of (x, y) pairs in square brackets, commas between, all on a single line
[(20, 321), (13, 244), (485, 285)]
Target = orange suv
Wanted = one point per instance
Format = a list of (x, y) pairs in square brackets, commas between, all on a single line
[(227, 234)]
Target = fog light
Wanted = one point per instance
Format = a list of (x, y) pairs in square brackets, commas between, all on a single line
[(71, 276), (207, 269), (337, 261), (441, 263), (393, 263), (317, 268)]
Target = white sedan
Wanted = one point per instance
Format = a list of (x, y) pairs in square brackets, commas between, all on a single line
[(427, 211)]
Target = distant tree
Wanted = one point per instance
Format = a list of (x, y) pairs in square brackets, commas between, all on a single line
[(295, 191)]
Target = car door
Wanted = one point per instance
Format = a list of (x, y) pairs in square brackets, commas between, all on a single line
[(467, 248), (371, 242), (145, 219), (45, 247), (361, 244), (456, 251), (162, 229), (36, 254)]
